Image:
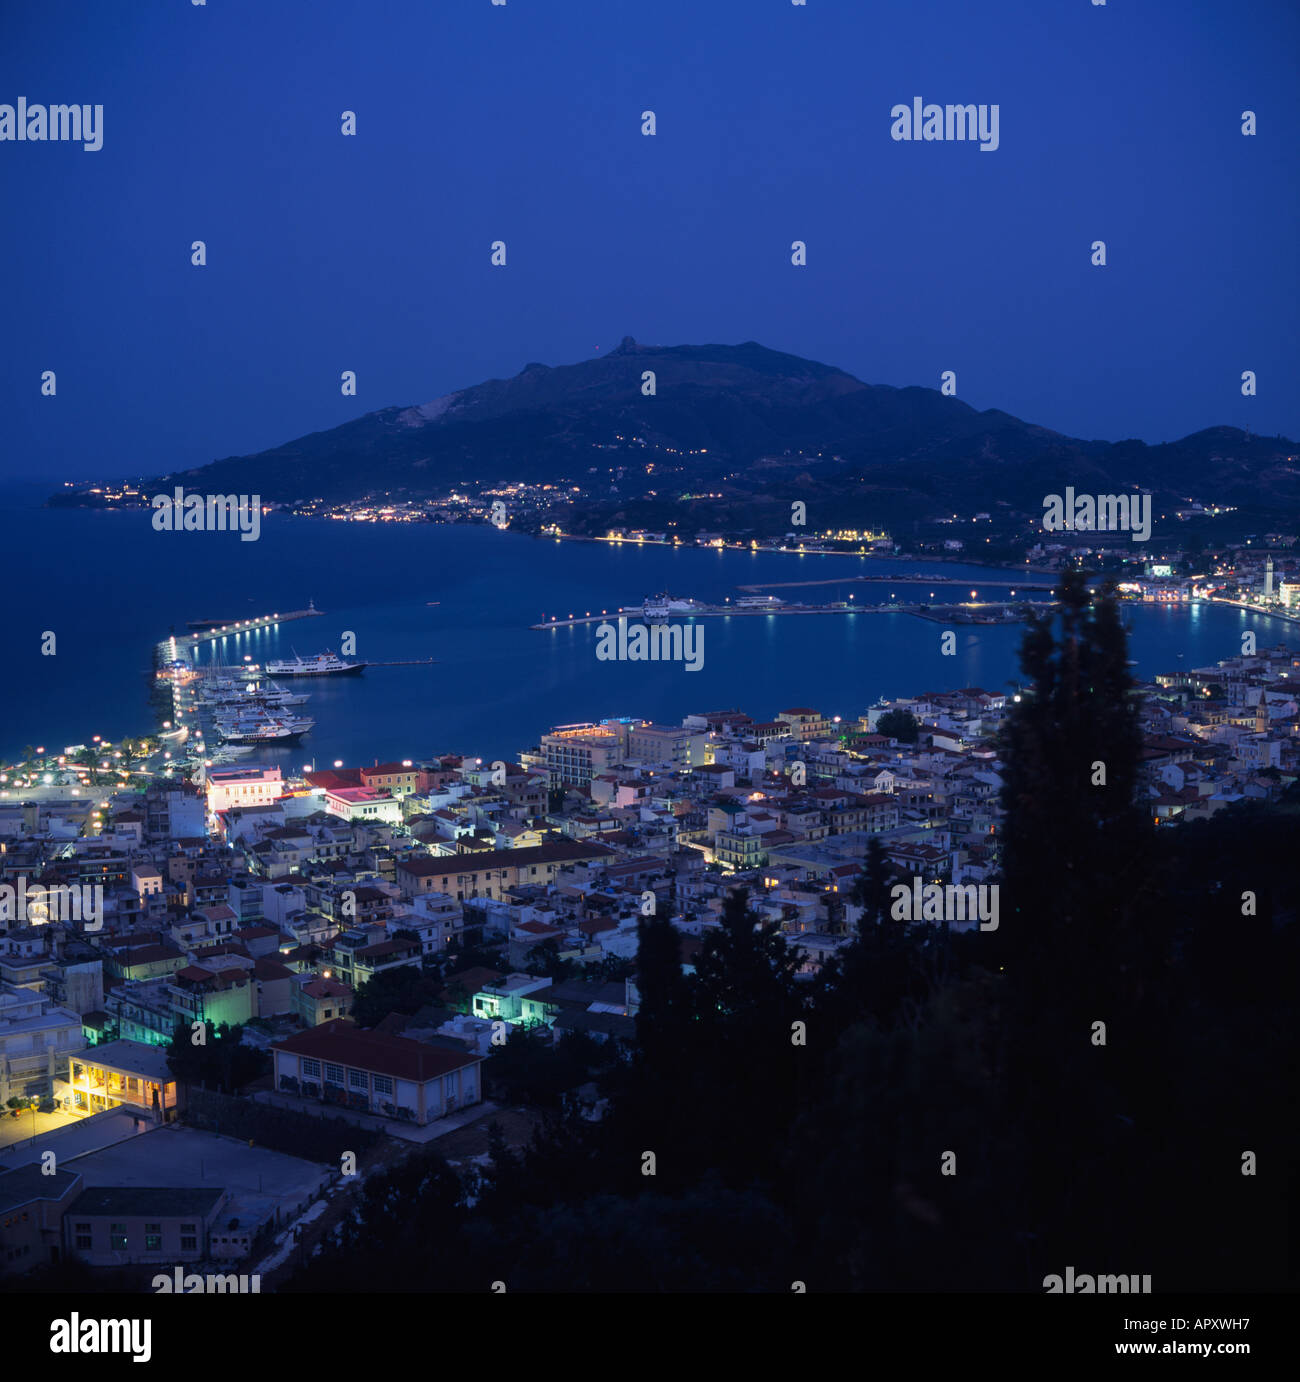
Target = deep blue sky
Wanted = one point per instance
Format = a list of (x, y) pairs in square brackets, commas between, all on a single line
[(522, 122)]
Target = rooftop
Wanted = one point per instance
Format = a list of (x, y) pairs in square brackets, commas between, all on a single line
[(343, 1042), (28, 1183), (135, 1057), (133, 1201)]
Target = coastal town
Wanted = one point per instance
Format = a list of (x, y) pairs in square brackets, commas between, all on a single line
[(644, 664), (159, 932)]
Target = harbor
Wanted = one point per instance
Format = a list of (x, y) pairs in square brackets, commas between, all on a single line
[(221, 711)]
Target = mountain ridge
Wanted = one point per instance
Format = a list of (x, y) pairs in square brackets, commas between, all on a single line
[(717, 411)]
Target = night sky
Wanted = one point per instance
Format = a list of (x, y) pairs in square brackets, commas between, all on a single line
[(523, 123)]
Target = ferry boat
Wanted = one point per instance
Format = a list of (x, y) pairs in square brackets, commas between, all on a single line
[(663, 605), (264, 729), (322, 665)]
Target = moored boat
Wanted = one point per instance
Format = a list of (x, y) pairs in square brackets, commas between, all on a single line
[(322, 665)]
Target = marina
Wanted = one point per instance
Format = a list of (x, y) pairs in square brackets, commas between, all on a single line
[(220, 712)]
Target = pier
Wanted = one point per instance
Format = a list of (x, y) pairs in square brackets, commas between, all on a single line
[(186, 643), (996, 582), (406, 662), (968, 612)]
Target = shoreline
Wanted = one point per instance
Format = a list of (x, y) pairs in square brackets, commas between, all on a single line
[(693, 546), (155, 731)]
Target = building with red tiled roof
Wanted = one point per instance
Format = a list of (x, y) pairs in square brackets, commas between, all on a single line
[(493, 872), (321, 1000), (148, 961), (539, 928), (213, 995), (331, 778), (398, 779), (375, 1073), (595, 925)]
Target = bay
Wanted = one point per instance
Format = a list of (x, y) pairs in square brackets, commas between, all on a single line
[(109, 587)]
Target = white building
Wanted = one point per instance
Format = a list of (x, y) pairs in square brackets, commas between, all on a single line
[(229, 787), (375, 1073)]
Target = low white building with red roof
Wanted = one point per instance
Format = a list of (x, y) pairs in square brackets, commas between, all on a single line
[(375, 1073)]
